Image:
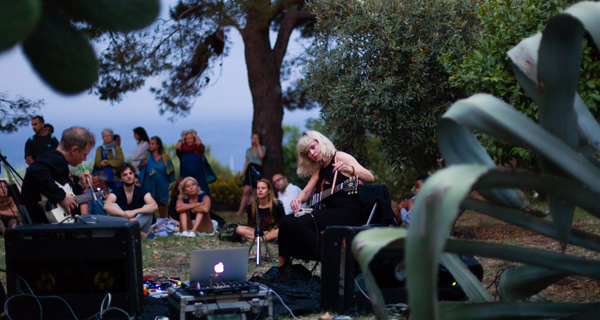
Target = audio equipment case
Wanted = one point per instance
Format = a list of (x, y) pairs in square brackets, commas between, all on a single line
[(78, 262), (342, 280), (242, 306)]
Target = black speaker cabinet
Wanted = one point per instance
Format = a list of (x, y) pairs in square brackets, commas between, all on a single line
[(342, 279), (80, 263)]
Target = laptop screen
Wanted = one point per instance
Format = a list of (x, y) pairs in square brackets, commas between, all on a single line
[(231, 264)]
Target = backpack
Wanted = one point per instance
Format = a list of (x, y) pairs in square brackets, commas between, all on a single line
[(227, 233)]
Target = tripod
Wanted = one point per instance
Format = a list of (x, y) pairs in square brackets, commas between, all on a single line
[(259, 235)]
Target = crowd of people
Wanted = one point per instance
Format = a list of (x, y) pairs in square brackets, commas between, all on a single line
[(135, 190)]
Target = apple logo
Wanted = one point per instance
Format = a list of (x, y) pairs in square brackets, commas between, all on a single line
[(219, 267)]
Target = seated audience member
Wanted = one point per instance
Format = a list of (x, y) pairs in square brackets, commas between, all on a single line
[(108, 157), (130, 201), (78, 190), (137, 181), (270, 212), (174, 193), (286, 192), (193, 204), (9, 215), (404, 209), (96, 207)]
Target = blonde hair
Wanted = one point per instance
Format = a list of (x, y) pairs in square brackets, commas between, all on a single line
[(307, 166), (183, 193), (271, 198)]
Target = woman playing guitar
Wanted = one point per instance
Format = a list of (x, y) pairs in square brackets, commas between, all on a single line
[(318, 158)]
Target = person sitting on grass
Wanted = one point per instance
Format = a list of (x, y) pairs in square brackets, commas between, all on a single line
[(193, 204), (404, 209), (130, 201), (270, 212)]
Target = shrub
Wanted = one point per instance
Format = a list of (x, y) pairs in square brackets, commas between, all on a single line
[(226, 191)]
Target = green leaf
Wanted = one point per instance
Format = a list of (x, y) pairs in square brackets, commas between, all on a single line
[(493, 116), (524, 281), (558, 75), (541, 226), (115, 15), (18, 18), (365, 246), (512, 310), (468, 282), (435, 210), (62, 55), (545, 259)]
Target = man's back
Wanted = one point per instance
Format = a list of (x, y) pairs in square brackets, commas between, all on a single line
[(40, 178), (37, 145)]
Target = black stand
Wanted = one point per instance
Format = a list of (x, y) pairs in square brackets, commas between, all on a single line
[(16, 195), (258, 233)]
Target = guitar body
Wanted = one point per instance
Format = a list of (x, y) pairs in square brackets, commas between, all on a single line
[(350, 186), (56, 213)]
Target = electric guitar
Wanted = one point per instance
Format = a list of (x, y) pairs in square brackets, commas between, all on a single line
[(350, 186), (56, 213)]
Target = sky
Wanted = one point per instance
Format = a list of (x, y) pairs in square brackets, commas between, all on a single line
[(222, 115)]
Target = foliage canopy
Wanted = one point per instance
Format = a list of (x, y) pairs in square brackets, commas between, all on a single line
[(375, 69)]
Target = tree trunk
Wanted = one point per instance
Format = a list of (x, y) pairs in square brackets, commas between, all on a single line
[(263, 76)]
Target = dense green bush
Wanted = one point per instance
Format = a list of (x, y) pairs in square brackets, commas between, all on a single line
[(488, 69), (376, 69)]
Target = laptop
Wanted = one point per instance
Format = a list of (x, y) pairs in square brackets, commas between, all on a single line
[(231, 264)]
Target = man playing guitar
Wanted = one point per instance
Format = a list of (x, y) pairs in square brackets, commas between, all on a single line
[(53, 166)]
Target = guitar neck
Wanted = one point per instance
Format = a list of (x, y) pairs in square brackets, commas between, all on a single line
[(315, 199), (87, 197)]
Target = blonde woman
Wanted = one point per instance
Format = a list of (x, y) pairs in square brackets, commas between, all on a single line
[(270, 212), (319, 159), (193, 204)]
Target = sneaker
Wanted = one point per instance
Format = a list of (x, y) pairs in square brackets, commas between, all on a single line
[(190, 234), (178, 234)]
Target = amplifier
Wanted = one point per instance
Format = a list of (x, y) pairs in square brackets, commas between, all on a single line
[(78, 262), (183, 305), (342, 280)]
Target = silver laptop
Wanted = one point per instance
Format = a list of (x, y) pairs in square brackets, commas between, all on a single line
[(230, 263)]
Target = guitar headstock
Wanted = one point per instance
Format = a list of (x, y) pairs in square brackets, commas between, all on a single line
[(351, 185)]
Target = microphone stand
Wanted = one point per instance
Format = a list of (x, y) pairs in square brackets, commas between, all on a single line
[(258, 233)]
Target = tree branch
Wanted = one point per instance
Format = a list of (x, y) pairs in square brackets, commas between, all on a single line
[(291, 21)]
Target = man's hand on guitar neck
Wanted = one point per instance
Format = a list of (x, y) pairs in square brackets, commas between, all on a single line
[(68, 203)]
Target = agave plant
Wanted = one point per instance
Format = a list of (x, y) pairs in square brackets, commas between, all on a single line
[(567, 136), (59, 52)]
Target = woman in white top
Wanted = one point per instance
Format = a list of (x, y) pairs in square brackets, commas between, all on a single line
[(143, 143)]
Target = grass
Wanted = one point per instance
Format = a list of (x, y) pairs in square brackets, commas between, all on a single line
[(165, 257)]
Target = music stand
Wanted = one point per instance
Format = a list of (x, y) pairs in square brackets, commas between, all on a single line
[(254, 175)]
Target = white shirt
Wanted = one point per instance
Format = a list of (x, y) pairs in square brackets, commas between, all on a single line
[(290, 193)]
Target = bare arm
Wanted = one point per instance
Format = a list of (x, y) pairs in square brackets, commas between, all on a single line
[(306, 192), (346, 164), (84, 208), (204, 206), (261, 152), (149, 208), (111, 208), (183, 207)]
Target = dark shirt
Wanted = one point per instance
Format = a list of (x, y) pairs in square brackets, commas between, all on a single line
[(40, 177), (137, 200), (268, 221), (36, 145)]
